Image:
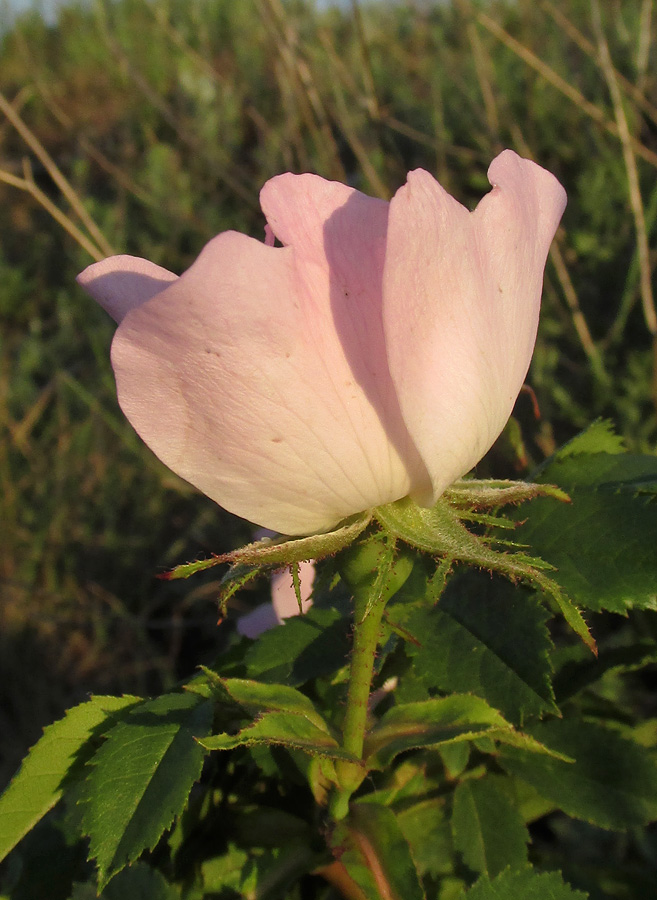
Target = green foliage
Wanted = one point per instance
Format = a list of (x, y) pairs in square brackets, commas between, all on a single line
[(373, 850), (443, 720), (526, 884), (426, 827), (603, 543), (303, 648), (288, 729), (140, 779), (139, 882), (611, 782), (488, 831), (253, 697), (483, 637), (54, 760)]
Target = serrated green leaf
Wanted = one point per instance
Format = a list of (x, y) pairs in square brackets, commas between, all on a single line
[(455, 759), (599, 437), (431, 723), (226, 871), (372, 848), (288, 729), (612, 781), (527, 884), (603, 543), (255, 697), (485, 637), (304, 647), (529, 804), (39, 783), (426, 828), (141, 777), (263, 875), (576, 675), (487, 830), (140, 882)]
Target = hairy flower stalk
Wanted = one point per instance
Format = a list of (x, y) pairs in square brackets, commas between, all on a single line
[(374, 573)]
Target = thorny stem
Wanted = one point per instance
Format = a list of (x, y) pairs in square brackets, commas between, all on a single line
[(367, 630), (370, 596)]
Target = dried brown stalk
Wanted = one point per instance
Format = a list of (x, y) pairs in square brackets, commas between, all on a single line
[(590, 109), (27, 184), (55, 173)]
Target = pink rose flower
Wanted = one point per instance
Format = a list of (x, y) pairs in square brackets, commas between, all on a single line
[(376, 354)]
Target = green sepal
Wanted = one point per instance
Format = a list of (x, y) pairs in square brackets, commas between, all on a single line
[(441, 531), (278, 552), (480, 493), (375, 568)]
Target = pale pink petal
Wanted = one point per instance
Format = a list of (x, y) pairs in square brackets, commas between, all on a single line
[(283, 595), (284, 603), (121, 283), (260, 619), (461, 302), (260, 375)]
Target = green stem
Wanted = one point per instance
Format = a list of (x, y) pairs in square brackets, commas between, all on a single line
[(367, 630), (374, 569), (369, 571)]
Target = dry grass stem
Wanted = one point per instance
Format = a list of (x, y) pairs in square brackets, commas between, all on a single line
[(344, 119), (483, 69), (55, 173), (27, 184), (590, 109), (370, 98), (636, 202), (221, 163), (643, 44), (579, 321), (589, 48), (568, 289)]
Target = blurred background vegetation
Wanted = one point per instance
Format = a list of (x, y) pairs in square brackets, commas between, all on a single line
[(147, 126)]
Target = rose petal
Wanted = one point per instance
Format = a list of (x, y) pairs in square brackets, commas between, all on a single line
[(260, 375), (121, 283), (283, 596), (260, 619), (461, 302), (284, 603)]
